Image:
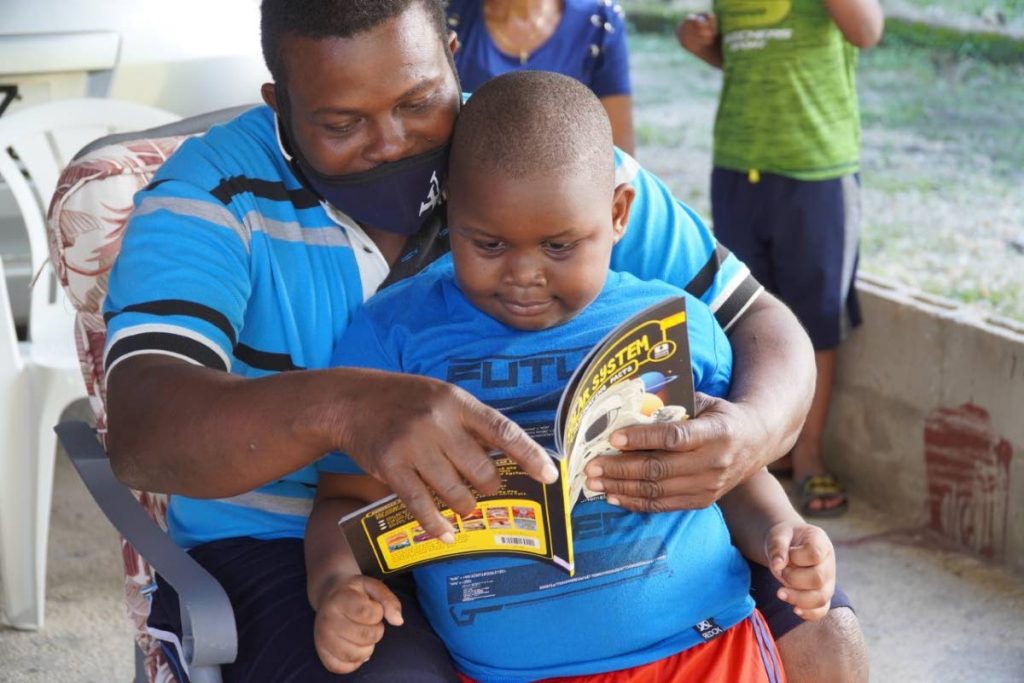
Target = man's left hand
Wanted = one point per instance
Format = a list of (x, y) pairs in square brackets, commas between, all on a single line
[(683, 465)]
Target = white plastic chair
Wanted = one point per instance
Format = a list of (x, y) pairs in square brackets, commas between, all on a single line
[(39, 378)]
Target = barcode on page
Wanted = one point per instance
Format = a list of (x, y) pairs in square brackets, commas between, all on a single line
[(516, 540)]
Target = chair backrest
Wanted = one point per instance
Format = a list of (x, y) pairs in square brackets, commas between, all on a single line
[(88, 216), (36, 143)]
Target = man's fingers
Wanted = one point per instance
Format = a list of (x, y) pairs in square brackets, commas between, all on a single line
[(420, 501), (443, 477), (664, 436), (641, 504), (702, 402), (616, 470), (500, 433)]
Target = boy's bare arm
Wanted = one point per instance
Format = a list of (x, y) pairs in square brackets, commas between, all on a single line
[(767, 530), (860, 21), (698, 33), (350, 608), (754, 507), (328, 557)]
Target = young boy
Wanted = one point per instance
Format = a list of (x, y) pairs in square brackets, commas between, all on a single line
[(656, 597), (785, 189)]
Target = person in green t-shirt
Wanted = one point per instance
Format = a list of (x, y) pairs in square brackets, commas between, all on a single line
[(785, 185)]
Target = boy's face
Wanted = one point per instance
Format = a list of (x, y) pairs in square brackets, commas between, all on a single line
[(534, 252)]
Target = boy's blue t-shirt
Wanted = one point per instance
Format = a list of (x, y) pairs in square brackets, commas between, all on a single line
[(643, 582)]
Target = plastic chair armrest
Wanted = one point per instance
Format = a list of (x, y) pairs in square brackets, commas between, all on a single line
[(209, 637)]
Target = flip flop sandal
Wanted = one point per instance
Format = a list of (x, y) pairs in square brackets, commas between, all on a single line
[(824, 488)]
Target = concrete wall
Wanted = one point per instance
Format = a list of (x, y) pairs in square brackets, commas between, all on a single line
[(927, 419)]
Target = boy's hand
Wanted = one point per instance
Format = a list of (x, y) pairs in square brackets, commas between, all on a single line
[(802, 558), (697, 33), (350, 621)]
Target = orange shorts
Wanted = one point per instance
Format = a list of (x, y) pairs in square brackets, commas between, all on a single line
[(744, 654)]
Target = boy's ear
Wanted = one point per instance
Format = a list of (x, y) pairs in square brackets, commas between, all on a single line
[(622, 200), (453, 41)]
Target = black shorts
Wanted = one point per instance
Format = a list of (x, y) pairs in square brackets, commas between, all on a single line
[(800, 239), (779, 615), (266, 584)]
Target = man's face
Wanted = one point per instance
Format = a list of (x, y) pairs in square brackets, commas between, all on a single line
[(532, 253), (376, 97)]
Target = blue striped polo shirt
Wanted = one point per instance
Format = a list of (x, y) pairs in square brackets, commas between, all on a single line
[(229, 262)]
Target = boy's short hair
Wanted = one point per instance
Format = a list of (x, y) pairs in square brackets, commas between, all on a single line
[(530, 123), (319, 19)]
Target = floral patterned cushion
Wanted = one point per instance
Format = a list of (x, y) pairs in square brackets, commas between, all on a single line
[(88, 216)]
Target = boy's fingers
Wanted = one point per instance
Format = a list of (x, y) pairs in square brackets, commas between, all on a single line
[(810, 547), (777, 548), (388, 601), (806, 555), (343, 659), (804, 578), (358, 606), (808, 605)]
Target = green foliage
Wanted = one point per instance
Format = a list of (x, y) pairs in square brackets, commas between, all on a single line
[(993, 47), (652, 16)]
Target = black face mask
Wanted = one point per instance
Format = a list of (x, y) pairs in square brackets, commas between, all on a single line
[(397, 196)]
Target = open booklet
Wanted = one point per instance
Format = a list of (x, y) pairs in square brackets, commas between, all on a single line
[(639, 373)]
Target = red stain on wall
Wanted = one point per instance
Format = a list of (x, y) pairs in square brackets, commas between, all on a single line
[(968, 471)]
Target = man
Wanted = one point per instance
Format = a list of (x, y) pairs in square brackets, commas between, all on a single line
[(241, 267)]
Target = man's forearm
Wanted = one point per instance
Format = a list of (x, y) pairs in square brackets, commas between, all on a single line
[(773, 374), (180, 428)]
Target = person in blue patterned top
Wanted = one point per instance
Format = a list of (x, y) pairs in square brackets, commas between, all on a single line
[(585, 39)]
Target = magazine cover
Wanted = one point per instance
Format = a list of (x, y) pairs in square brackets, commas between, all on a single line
[(523, 519), (639, 373)]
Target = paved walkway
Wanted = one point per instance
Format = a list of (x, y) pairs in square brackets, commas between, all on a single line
[(929, 613)]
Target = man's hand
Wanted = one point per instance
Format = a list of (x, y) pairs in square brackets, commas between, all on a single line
[(802, 558), (681, 465), (420, 435), (350, 622)]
